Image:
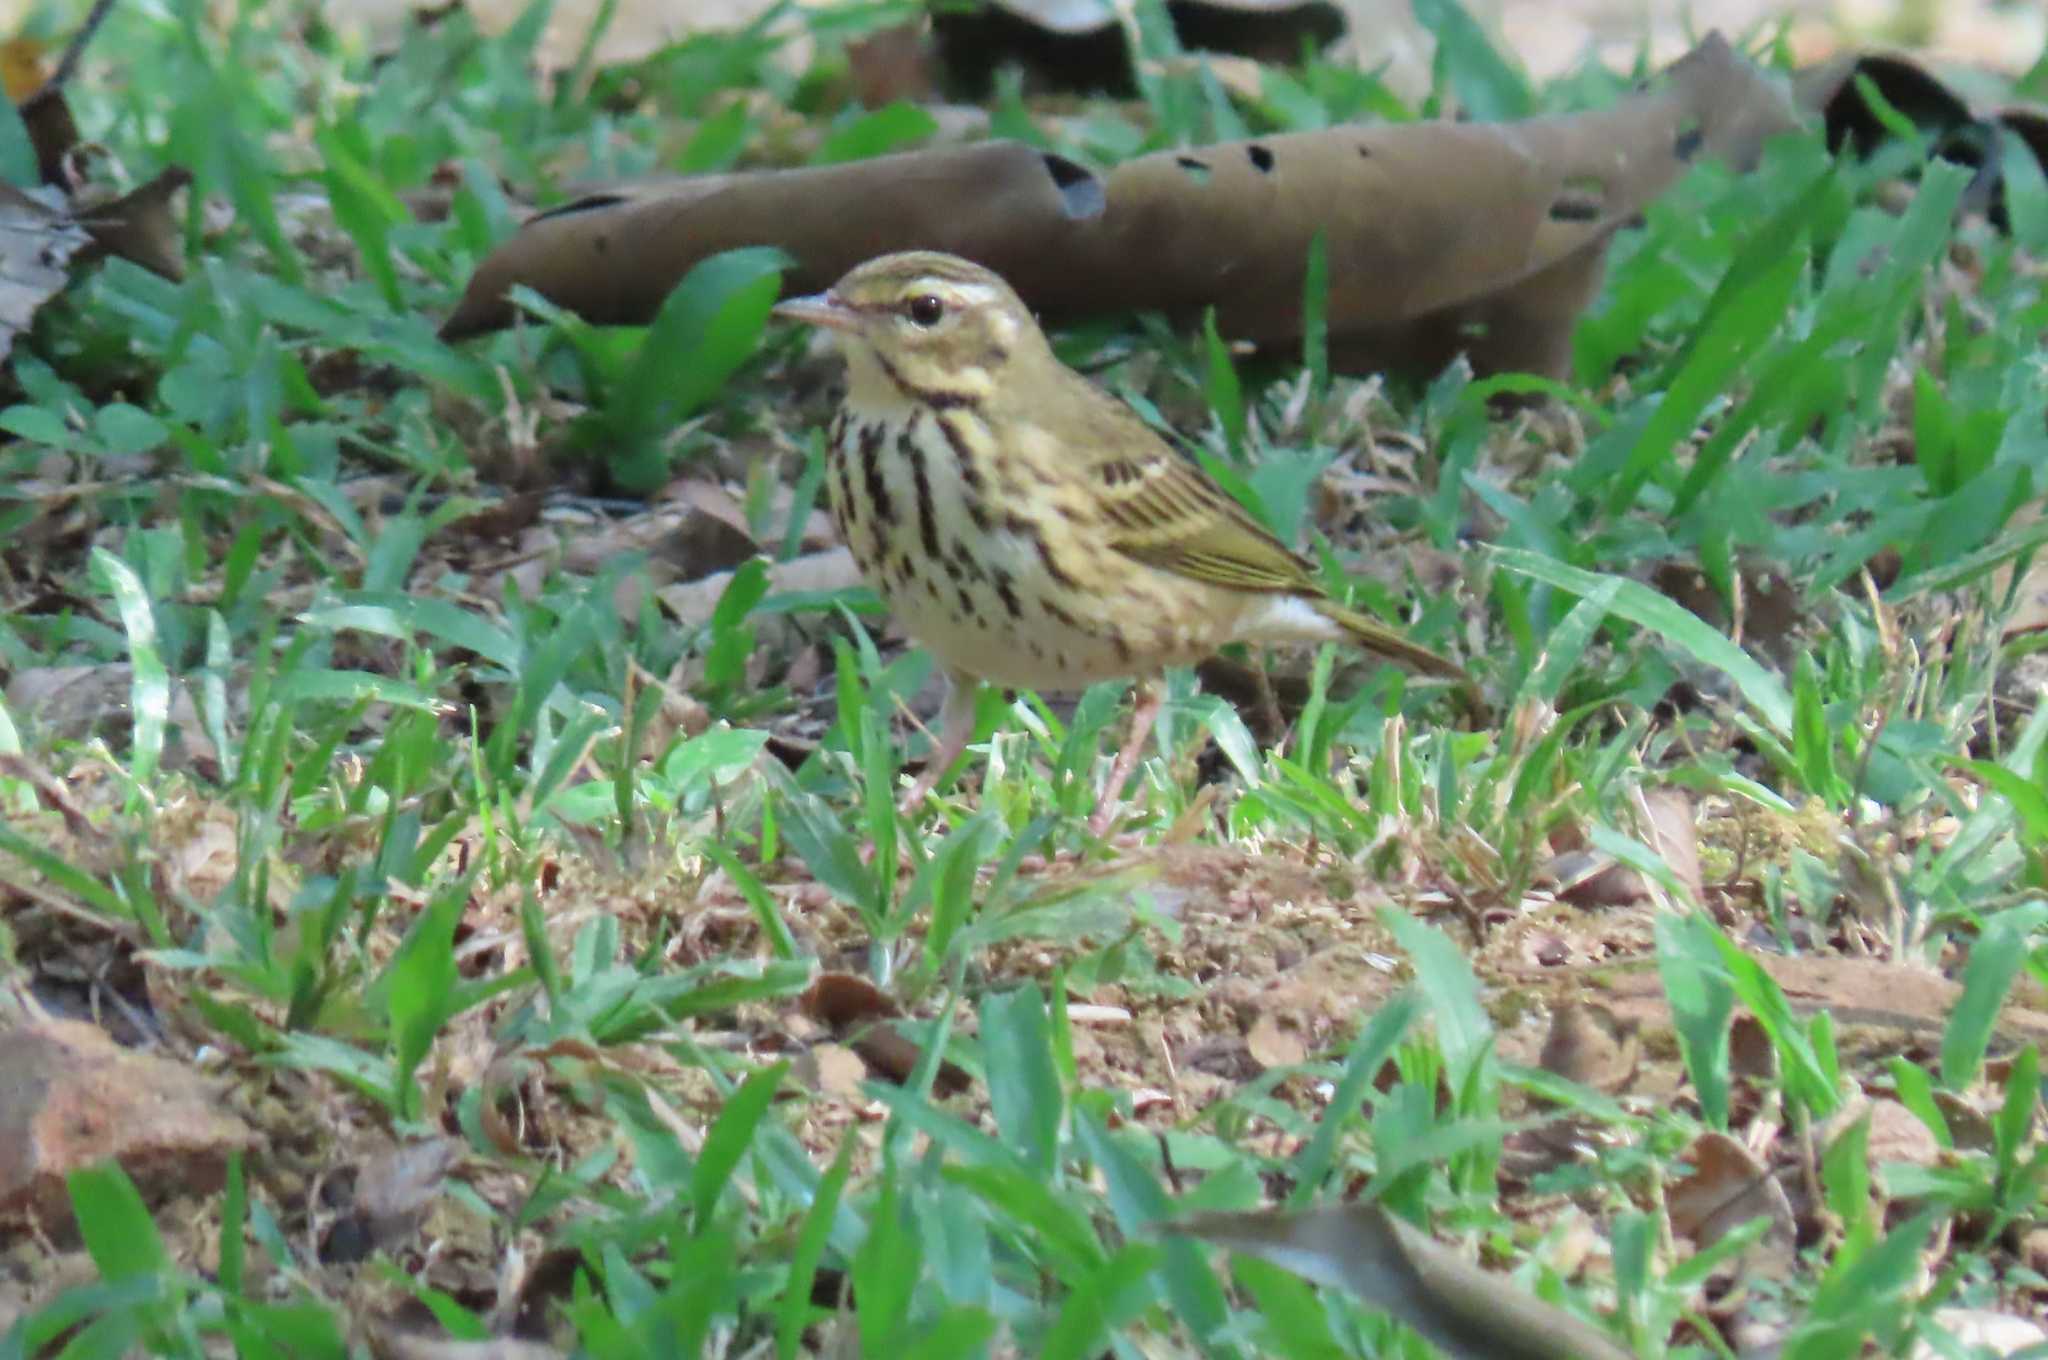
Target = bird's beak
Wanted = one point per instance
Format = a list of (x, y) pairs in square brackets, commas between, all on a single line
[(825, 309)]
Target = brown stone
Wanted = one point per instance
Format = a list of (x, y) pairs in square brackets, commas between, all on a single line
[(70, 1097)]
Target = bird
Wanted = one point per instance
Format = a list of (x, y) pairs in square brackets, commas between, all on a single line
[(1027, 527)]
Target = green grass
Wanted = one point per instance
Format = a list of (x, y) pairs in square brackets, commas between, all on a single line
[(523, 860)]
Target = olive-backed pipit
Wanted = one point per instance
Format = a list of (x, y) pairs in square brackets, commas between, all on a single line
[(1027, 527)]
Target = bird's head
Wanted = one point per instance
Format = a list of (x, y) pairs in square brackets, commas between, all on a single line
[(923, 326)]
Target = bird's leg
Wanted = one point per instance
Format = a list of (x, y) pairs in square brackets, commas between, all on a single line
[(956, 729), (1146, 712), (1269, 702)]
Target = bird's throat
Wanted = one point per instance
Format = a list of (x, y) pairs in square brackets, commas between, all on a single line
[(877, 382)]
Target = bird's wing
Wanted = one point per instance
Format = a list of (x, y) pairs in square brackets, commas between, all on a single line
[(1164, 511)]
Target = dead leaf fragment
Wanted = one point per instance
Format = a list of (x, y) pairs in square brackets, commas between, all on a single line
[(1466, 1312), (1898, 1135), (1727, 1188), (37, 244), (691, 602), (864, 1017), (1587, 878), (388, 1342), (1592, 1046), (1974, 1328), (1274, 1045), (141, 226), (393, 1191)]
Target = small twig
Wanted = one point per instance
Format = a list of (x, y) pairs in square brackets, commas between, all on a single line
[(67, 65)]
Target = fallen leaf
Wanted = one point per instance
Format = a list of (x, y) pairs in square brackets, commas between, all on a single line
[(389, 1342), (1274, 1045), (1443, 237), (1898, 1135), (1973, 1328), (864, 1017), (1726, 1189), (1590, 1045), (37, 244), (1466, 1312), (832, 1070), (691, 602)]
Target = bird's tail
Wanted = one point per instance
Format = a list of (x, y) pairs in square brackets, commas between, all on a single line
[(1380, 639)]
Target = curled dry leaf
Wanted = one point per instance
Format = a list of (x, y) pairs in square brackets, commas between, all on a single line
[(390, 1342), (1592, 1046), (864, 1016), (1980, 1330), (1272, 1044), (1586, 878), (691, 602), (393, 1190), (1441, 236), (140, 226), (1727, 1188), (1466, 1312), (1958, 130), (1897, 1135)]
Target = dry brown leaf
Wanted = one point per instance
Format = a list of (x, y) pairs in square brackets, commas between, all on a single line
[(842, 999), (1898, 1135), (1586, 878), (2000, 1333), (864, 1016), (832, 1070), (1443, 237), (140, 226), (1856, 992), (394, 1188), (1592, 1046), (1466, 1312), (1958, 129), (1726, 1189), (691, 602), (389, 1342), (1273, 1045), (634, 29)]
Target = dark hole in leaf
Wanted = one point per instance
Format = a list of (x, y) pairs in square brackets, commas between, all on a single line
[(1582, 198), (1365, 151), (1197, 170), (1080, 190), (588, 203), (1687, 143), (1261, 158)]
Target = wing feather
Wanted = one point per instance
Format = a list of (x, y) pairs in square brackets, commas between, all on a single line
[(1168, 513)]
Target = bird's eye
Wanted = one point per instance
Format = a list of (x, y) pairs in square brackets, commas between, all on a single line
[(925, 309)]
